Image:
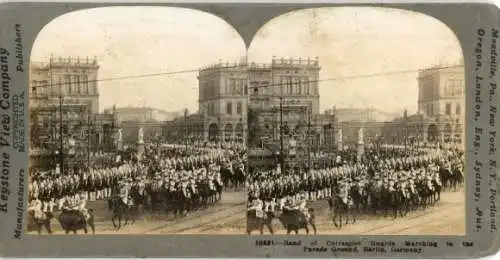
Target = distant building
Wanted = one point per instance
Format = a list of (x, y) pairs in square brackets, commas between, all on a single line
[(363, 115), (441, 109), (134, 114)]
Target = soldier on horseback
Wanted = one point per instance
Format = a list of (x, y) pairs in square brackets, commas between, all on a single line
[(302, 202), (124, 192), (36, 206), (258, 205)]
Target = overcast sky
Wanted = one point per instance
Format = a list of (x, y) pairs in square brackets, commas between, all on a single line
[(143, 40), (349, 41)]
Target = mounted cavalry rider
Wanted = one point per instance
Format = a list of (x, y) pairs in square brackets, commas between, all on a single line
[(124, 192), (36, 206), (303, 205), (76, 203), (257, 205)]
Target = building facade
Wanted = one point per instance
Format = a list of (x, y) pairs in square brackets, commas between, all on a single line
[(223, 101), (188, 128), (285, 92), (73, 78), (237, 98), (65, 123), (441, 101), (441, 109)]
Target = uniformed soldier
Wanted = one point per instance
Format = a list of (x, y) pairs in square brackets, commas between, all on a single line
[(36, 206)]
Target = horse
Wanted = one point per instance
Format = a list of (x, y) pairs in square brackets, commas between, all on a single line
[(120, 210), (227, 176), (294, 219), (457, 178), (139, 195), (238, 176), (41, 221), (359, 196), (255, 222), (341, 206), (446, 177), (74, 220)]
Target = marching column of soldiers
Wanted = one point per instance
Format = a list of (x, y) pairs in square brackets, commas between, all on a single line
[(50, 191), (417, 175)]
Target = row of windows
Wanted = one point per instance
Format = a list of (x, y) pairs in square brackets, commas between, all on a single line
[(298, 86), (69, 84), (235, 87), (429, 89), (430, 109), (448, 109), (454, 87), (211, 109), (229, 108)]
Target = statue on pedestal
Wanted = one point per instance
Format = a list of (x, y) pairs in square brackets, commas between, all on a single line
[(141, 136), (361, 136), (120, 135)]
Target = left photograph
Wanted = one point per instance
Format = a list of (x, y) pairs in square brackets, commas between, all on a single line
[(137, 124)]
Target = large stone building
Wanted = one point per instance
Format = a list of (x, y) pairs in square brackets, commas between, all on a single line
[(285, 92), (223, 101), (441, 109), (64, 98), (237, 98)]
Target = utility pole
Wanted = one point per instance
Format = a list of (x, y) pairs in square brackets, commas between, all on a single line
[(89, 137), (309, 143), (61, 139), (282, 156)]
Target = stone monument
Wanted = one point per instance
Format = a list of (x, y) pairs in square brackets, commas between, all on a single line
[(361, 143), (340, 138), (119, 140), (140, 142)]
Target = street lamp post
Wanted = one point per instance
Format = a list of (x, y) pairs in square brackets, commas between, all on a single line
[(61, 139), (282, 156), (89, 137), (309, 140)]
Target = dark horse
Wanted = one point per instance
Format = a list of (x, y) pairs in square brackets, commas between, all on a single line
[(293, 220), (255, 222), (227, 176), (341, 207), (120, 210), (74, 220), (139, 196), (39, 222)]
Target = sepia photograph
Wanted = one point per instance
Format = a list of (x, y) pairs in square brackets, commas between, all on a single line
[(137, 124), (356, 124)]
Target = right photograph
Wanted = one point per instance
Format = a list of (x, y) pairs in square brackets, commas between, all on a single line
[(355, 124)]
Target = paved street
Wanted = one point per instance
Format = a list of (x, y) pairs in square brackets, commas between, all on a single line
[(227, 217), (445, 218)]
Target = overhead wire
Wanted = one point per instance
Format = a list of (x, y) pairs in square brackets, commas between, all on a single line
[(167, 73)]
